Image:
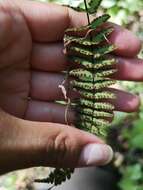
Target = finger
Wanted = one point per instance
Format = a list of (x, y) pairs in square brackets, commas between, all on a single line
[(125, 102), (54, 112), (127, 43), (47, 21), (49, 112), (49, 57), (45, 87), (129, 69), (6, 27), (48, 144), (46, 26)]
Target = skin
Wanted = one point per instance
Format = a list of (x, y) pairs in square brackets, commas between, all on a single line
[(33, 130)]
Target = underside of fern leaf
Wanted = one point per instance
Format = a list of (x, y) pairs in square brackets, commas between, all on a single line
[(91, 78)]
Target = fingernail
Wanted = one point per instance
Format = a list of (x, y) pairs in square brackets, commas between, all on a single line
[(95, 154)]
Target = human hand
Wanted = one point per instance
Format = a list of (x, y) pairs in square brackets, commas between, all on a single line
[(33, 131)]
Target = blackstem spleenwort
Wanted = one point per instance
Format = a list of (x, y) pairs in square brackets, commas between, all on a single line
[(86, 47)]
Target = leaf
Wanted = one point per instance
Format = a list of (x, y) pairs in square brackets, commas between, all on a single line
[(95, 113), (98, 95), (93, 6), (97, 105), (87, 76), (90, 86), (90, 122), (88, 52), (99, 21), (98, 52), (95, 64), (100, 37)]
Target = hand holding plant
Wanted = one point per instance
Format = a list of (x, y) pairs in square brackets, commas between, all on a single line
[(33, 130)]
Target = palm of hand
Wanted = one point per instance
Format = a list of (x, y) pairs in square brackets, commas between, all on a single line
[(15, 69)]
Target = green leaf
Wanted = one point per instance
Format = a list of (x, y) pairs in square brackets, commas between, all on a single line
[(96, 53), (99, 21), (93, 6), (97, 105), (97, 39), (89, 86), (94, 113), (98, 95), (93, 64)]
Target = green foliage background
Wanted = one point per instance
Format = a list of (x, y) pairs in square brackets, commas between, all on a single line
[(128, 13)]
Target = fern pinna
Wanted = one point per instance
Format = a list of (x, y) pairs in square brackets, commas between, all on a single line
[(86, 48)]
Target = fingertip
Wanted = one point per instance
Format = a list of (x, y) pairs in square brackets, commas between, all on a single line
[(134, 104), (127, 43), (125, 101), (95, 154)]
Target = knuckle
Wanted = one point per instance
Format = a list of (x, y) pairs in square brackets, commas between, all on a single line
[(6, 24), (5, 18), (60, 149), (136, 104)]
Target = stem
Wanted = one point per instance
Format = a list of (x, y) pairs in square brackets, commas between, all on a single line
[(88, 18), (86, 8)]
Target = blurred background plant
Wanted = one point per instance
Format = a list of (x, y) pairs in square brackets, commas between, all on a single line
[(127, 129)]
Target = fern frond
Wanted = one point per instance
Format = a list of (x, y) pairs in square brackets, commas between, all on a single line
[(84, 47)]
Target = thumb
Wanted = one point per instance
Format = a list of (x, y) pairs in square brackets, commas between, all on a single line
[(26, 144)]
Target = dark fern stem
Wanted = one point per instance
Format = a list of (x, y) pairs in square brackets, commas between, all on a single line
[(84, 47), (88, 18)]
